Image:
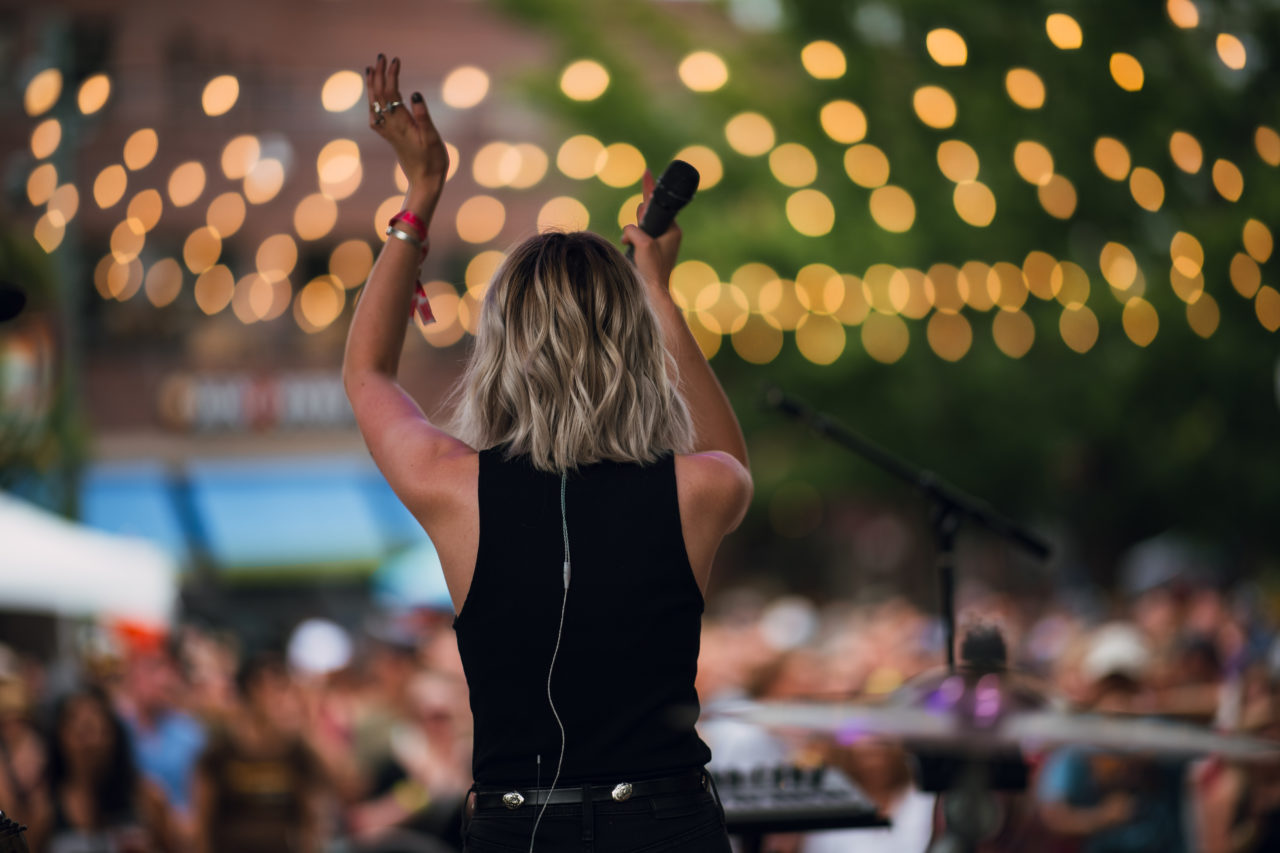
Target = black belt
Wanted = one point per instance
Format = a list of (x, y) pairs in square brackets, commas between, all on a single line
[(690, 781)]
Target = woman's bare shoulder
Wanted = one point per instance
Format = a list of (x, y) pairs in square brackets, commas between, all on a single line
[(716, 483)]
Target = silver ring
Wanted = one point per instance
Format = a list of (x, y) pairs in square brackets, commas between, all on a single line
[(391, 107), (376, 107)]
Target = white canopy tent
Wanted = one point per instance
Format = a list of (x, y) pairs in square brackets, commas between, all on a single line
[(49, 564)]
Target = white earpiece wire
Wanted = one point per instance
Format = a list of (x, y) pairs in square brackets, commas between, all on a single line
[(564, 528)]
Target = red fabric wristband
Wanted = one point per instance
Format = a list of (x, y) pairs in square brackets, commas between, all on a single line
[(420, 305), (412, 220)]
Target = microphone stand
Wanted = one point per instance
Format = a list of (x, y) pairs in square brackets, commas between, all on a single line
[(950, 506)]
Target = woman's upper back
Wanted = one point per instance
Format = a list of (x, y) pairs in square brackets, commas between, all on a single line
[(624, 672)]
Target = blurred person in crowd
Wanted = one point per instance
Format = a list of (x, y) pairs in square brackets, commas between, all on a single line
[(99, 802), (259, 787), (1240, 803), (589, 424), (22, 751), (1115, 803), (423, 786), (166, 740), (882, 770)]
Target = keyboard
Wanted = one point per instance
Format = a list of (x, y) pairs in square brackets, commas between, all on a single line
[(793, 799)]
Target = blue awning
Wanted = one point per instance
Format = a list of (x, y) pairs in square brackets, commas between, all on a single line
[(136, 499), (305, 513)]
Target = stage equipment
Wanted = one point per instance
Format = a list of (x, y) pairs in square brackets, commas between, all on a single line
[(951, 506), (791, 799)]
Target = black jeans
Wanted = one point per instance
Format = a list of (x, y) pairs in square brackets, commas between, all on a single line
[(680, 823)]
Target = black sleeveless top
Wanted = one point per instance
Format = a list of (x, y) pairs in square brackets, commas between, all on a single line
[(623, 682)]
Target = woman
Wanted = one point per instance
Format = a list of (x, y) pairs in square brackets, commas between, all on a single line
[(576, 509), (100, 803)]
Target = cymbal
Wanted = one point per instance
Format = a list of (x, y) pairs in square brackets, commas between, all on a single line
[(982, 734)]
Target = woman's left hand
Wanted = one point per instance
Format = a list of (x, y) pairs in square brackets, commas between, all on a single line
[(409, 129)]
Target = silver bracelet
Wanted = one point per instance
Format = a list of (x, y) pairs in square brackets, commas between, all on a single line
[(393, 231)]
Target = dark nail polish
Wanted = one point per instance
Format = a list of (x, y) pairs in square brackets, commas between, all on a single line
[(417, 96), (381, 56), (368, 69)]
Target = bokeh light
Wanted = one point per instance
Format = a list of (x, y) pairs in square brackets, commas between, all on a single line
[(1006, 286), (974, 203), (1228, 180), (145, 209), (1231, 51), (1037, 269), (1185, 151), (464, 87), (820, 339), (581, 157), (201, 249), (867, 166), (758, 341), (226, 214), (220, 95), (1033, 162), (318, 304), (1245, 275), (820, 288), (1079, 328), (1147, 188), (389, 207), (706, 161), (338, 168), (447, 329), (341, 91), (885, 337), (934, 106), (823, 60), (1025, 88), (93, 93), (126, 243), (480, 219), (1183, 13), (1267, 306), (1112, 158), (480, 270), (957, 160), (42, 92), (584, 80), (750, 134), (186, 183), (41, 183), (1203, 316), (110, 185), (844, 121), (163, 282), (1267, 141), (563, 213), (1126, 71), (1140, 321), (943, 283), (1013, 332), (240, 155), (1063, 31), (45, 138), (48, 233), (123, 279), (140, 148), (1118, 265), (1058, 197), (1069, 284), (703, 71), (1186, 253), (350, 262), (213, 289), (623, 165), (315, 216), (946, 47), (690, 277), (64, 204), (810, 212), (793, 165), (276, 257), (264, 181), (1257, 240), (627, 212), (893, 209), (949, 336)]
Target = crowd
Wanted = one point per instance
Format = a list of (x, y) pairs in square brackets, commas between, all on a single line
[(188, 742)]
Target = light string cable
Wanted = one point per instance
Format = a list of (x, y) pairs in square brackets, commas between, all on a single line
[(564, 529)]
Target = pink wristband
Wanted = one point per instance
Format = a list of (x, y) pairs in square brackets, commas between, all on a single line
[(415, 222), (420, 305)]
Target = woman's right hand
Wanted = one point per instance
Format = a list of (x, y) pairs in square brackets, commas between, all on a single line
[(409, 130), (655, 256)]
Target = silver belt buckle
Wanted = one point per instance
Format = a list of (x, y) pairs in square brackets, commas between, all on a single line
[(513, 799), (622, 792)]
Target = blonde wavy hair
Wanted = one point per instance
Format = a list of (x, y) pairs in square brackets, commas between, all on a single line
[(569, 364)]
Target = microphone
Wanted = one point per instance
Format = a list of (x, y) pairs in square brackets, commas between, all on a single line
[(675, 189)]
